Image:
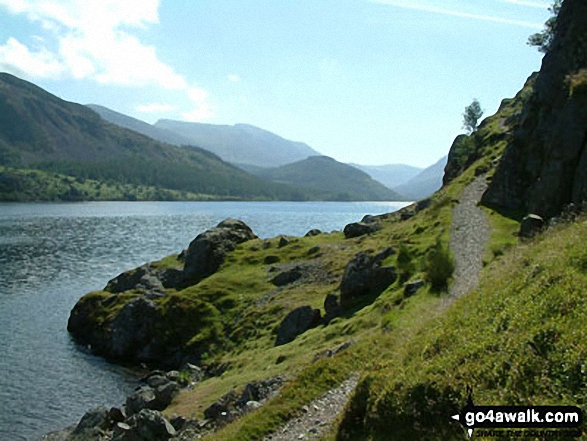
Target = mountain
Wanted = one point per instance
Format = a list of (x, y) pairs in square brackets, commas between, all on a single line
[(139, 126), (424, 183), (40, 131), (241, 143), (333, 179), (390, 175)]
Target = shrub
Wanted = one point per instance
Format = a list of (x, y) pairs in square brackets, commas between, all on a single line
[(439, 267)]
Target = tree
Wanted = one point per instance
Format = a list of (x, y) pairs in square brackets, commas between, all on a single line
[(543, 40), (473, 113)]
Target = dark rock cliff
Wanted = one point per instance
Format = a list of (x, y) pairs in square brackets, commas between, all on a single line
[(544, 166)]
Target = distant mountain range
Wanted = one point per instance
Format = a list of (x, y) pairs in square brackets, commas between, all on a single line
[(238, 144), (40, 131), (424, 183), (335, 180), (390, 175), (80, 155)]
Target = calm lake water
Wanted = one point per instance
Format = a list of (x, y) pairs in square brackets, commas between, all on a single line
[(52, 254)]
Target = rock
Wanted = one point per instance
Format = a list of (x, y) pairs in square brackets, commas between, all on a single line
[(423, 204), (271, 259), (331, 307), (147, 425), (142, 277), (314, 250), (207, 251), (358, 229), (172, 376), (297, 322), (96, 418), (364, 275), (117, 415), (259, 390), (142, 398), (313, 232), (531, 225), (412, 287), (195, 373), (155, 381), (283, 241), (544, 167), (221, 408), (132, 329), (164, 395), (178, 422), (287, 277), (252, 405), (407, 214)]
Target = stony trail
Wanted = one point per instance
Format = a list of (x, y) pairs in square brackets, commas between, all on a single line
[(317, 416), (468, 236)]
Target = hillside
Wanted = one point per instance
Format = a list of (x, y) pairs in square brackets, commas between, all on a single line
[(40, 131), (139, 126), (390, 175), (424, 183), (412, 313), (241, 143), (330, 178)]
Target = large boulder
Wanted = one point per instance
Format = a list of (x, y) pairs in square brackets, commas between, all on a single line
[(364, 275), (147, 425), (297, 322), (531, 225), (133, 330), (207, 251), (358, 229)]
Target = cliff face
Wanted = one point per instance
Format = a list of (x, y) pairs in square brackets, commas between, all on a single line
[(544, 166)]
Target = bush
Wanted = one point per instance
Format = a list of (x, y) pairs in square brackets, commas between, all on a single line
[(439, 267)]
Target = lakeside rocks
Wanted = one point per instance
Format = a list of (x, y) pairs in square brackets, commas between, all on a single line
[(207, 251), (121, 327)]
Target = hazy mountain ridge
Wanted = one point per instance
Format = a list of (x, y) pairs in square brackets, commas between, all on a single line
[(390, 175), (40, 131), (240, 143), (334, 179), (424, 183)]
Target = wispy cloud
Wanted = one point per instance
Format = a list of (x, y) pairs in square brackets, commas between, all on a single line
[(155, 107), (405, 4), (539, 5), (95, 40)]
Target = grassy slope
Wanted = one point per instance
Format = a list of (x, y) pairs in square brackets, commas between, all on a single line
[(520, 338)]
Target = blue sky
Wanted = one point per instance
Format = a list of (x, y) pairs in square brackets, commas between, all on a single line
[(365, 81)]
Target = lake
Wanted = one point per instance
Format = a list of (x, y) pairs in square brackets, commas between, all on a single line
[(52, 254)]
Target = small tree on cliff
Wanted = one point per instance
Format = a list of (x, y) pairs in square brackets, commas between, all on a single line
[(543, 40), (473, 113)]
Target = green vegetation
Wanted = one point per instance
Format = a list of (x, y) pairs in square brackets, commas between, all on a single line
[(472, 115), (543, 40), (440, 265)]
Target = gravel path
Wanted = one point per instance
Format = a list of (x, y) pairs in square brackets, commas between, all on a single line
[(318, 415), (468, 236)]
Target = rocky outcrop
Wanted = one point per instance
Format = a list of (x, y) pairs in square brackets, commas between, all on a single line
[(531, 225), (297, 322), (364, 276), (544, 167), (357, 229), (131, 319), (207, 251)]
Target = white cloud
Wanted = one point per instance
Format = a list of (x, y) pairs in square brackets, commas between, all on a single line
[(203, 109), (155, 107), (94, 40), (406, 4), (233, 78)]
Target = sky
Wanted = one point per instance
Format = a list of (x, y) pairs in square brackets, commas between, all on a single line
[(365, 81)]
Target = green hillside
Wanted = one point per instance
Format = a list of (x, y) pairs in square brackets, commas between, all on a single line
[(332, 179), (40, 131)]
